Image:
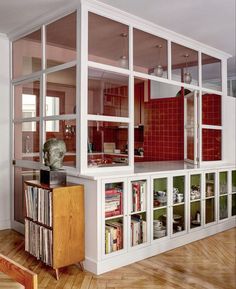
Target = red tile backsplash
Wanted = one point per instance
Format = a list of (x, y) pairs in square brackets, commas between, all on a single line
[(211, 144), (211, 109)]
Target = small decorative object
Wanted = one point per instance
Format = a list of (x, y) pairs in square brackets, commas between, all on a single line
[(158, 71), (54, 151)]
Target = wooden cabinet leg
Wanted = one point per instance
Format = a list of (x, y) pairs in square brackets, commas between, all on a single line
[(81, 266), (57, 273)]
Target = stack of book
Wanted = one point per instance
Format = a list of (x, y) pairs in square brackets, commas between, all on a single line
[(113, 202), (38, 241), (113, 236), (139, 196), (39, 205), (138, 230)]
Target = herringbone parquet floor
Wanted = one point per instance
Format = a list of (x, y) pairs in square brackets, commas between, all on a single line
[(208, 263)]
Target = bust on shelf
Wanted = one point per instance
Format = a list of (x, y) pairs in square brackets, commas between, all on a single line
[(54, 151)]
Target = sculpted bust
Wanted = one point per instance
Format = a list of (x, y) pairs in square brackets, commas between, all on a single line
[(54, 151)]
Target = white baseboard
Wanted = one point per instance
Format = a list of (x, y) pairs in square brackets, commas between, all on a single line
[(155, 248), (5, 224)]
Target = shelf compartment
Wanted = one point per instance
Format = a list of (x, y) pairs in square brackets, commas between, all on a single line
[(159, 192), (178, 222), (223, 207), (178, 194), (195, 214), (223, 183), (138, 229), (233, 210), (138, 196), (195, 187), (233, 181), (113, 200), (210, 210), (114, 235), (159, 223), (210, 185)]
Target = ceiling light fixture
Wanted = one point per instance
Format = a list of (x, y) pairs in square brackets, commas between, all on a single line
[(123, 61), (187, 75), (158, 71)]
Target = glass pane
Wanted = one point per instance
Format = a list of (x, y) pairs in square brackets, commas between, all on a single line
[(139, 196), (223, 207), (190, 144), (195, 215), (234, 181), (160, 192), (211, 144), (178, 189), (61, 40), (107, 93), (184, 64), (160, 223), (108, 41), (233, 204), (211, 109), (27, 54), (20, 176), (114, 232), (114, 199), (64, 130), (107, 144), (26, 100), (178, 219), (150, 54), (26, 141), (223, 183), (61, 92), (138, 229), (195, 187), (211, 72), (210, 210), (210, 185)]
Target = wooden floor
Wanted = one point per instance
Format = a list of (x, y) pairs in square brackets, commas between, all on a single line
[(208, 264)]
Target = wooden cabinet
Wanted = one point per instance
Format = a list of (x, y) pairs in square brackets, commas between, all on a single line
[(54, 224)]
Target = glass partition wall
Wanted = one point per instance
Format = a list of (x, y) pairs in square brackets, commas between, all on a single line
[(101, 89)]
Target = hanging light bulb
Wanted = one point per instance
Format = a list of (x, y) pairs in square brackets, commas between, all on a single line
[(187, 75), (123, 61), (158, 71)]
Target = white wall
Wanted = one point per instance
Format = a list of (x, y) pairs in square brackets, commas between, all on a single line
[(229, 126), (4, 134)]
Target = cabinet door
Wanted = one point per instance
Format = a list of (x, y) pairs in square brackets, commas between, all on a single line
[(223, 195), (210, 197), (114, 216), (139, 212), (160, 207), (178, 198), (195, 204), (233, 192)]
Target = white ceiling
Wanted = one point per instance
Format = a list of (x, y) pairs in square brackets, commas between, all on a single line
[(208, 21)]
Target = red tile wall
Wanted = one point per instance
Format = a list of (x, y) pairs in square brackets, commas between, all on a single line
[(211, 109), (164, 129), (211, 144)]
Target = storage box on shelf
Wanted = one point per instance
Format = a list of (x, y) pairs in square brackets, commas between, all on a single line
[(54, 224)]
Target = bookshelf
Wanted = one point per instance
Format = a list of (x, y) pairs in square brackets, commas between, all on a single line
[(54, 224)]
